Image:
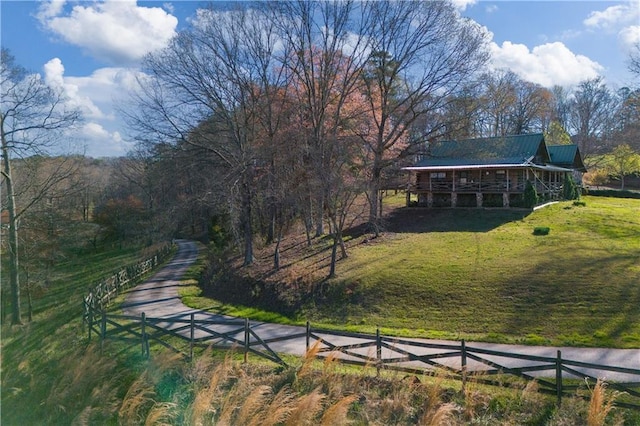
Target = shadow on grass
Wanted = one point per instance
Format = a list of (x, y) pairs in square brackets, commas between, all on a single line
[(590, 309), (417, 220)]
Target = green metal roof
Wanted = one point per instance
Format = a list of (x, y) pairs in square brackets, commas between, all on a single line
[(566, 156), (519, 150), (507, 150)]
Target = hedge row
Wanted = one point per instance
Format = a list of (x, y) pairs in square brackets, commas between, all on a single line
[(611, 193)]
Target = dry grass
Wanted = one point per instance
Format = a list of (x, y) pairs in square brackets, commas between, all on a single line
[(200, 410), (336, 414), (307, 408), (161, 414), (442, 415), (137, 402), (225, 391), (436, 411), (600, 404)]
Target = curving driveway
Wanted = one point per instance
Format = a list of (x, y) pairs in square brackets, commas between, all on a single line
[(158, 298)]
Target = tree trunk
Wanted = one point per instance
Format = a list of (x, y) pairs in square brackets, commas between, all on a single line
[(276, 255), (14, 283), (320, 217), (247, 225), (374, 194), (334, 252)]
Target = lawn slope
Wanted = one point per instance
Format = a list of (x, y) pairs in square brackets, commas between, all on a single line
[(484, 275)]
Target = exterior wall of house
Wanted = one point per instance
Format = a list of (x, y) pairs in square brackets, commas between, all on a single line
[(482, 188)]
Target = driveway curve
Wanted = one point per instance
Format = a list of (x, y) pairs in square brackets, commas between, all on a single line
[(158, 298)]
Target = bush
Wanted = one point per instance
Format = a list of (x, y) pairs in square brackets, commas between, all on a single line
[(541, 230), (530, 196), (613, 193), (569, 188)]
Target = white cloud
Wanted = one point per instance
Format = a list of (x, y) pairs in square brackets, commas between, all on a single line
[(621, 19), (54, 73), (630, 36), (50, 9), (614, 17), (463, 4), (100, 142), (491, 8), (548, 64), (115, 31), (96, 96)]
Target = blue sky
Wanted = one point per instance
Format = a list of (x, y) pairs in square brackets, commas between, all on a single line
[(92, 48)]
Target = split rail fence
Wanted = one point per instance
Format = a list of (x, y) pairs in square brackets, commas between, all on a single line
[(102, 293), (555, 375)]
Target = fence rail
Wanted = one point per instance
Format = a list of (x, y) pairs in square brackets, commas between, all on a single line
[(555, 375), (103, 292)]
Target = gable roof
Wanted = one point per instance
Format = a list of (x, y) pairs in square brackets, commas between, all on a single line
[(495, 152), (566, 156)]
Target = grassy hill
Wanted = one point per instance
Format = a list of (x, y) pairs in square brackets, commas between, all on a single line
[(51, 374), (476, 274)]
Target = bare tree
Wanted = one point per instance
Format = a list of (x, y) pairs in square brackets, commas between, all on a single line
[(634, 59), (422, 53), (462, 114), (561, 106), (207, 89), (532, 109), (626, 121), (33, 117), (499, 97), (326, 43), (590, 119)]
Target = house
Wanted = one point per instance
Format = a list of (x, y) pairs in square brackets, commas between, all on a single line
[(491, 172)]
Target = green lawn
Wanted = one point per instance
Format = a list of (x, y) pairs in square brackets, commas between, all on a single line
[(48, 374), (482, 274)]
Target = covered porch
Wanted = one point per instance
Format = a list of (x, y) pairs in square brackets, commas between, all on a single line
[(482, 186)]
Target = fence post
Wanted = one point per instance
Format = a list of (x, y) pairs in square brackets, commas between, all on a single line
[(559, 378), (463, 354), (103, 330), (191, 336), (246, 340), (378, 351), (308, 336), (143, 334), (89, 310)]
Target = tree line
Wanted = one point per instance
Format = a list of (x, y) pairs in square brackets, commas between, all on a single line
[(261, 116)]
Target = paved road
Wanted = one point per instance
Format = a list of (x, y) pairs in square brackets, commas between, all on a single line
[(158, 298)]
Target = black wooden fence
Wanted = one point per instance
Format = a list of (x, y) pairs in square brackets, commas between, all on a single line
[(555, 375), (103, 292)]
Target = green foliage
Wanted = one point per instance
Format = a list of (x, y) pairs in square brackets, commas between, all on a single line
[(624, 161), (564, 283), (218, 234), (530, 195), (614, 193), (541, 230), (569, 188), (49, 361), (557, 135)]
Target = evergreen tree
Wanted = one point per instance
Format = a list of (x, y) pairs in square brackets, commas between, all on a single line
[(530, 195), (569, 188)]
